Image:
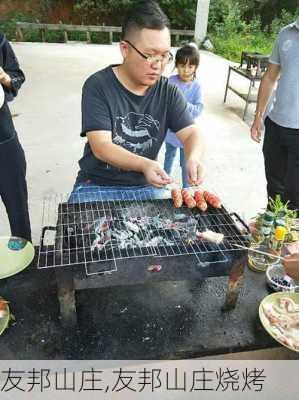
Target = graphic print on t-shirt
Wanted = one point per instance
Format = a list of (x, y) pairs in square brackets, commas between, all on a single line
[(136, 132)]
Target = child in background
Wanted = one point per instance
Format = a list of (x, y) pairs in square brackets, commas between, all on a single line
[(186, 62)]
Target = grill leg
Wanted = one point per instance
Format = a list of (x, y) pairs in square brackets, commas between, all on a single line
[(66, 297), (234, 283)]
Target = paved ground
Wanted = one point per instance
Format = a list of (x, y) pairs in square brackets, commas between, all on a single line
[(48, 123)]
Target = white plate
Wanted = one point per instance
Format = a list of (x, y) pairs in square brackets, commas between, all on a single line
[(273, 299), (4, 320), (1, 96), (15, 255)]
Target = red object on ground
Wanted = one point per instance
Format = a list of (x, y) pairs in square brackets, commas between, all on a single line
[(155, 268)]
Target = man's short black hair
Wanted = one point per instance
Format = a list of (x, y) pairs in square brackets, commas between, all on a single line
[(145, 14)]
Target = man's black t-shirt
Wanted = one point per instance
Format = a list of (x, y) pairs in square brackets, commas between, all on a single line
[(137, 123)]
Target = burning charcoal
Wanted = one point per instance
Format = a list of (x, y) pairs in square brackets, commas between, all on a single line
[(121, 235), (168, 242), (154, 241), (131, 226), (179, 217)]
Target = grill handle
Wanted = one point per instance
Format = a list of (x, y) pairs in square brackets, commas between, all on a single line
[(44, 230), (241, 221)]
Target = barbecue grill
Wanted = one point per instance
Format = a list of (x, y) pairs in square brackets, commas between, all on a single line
[(103, 240)]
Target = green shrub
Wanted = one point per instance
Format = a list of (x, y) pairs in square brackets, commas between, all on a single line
[(8, 26), (234, 35)]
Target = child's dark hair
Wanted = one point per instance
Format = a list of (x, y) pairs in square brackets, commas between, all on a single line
[(187, 53), (145, 14)]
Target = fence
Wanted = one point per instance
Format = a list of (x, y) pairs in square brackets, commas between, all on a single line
[(88, 29)]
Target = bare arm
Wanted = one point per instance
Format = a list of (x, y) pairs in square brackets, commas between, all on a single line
[(105, 150), (266, 88), (194, 148)]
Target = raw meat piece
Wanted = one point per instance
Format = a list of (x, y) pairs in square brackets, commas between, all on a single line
[(200, 201), (211, 236), (188, 198), (212, 199), (177, 198)]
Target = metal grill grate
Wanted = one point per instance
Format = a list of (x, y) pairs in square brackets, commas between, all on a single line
[(104, 232)]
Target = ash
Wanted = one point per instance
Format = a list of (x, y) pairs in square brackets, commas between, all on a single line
[(127, 231)]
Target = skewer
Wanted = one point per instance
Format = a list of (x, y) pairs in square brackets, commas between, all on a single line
[(257, 251)]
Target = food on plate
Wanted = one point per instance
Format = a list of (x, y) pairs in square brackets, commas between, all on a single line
[(289, 305), (211, 236), (284, 320), (3, 307), (188, 198), (177, 198), (200, 200), (212, 199)]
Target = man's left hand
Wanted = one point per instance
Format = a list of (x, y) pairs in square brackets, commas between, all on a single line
[(195, 172)]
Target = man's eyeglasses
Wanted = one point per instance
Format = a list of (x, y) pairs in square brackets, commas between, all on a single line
[(165, 59)]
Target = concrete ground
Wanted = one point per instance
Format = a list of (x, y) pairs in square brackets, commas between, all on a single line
[(47, 118)]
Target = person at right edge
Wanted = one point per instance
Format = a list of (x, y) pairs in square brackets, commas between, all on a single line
[(281, 141), (13, 186)]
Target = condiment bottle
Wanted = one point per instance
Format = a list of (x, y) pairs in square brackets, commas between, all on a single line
[(279, 237)]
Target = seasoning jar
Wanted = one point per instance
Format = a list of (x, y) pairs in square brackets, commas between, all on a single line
[(279, 237)]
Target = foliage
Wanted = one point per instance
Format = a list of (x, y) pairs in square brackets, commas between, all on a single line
[(234, 34), (8, 26), (181, 12), (280, 208), (234, 25)]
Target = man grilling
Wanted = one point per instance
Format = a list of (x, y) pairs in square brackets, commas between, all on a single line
[(126, 111), (281, 143)]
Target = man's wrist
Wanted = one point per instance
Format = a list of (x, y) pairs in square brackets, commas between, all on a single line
[(259, 114), (142, 164)]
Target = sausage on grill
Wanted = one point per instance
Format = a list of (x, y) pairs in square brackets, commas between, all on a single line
[(177, 198), (188, 198), (200, 201), (212, 199)]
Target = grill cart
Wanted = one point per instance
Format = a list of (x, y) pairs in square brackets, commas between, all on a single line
[(128, 242)]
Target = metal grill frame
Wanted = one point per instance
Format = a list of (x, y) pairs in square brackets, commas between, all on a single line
[(57, 209)]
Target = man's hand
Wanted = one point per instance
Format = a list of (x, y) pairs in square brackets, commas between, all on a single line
[(155, 174), (256, 129), (195, 172), (291, 266), (4, 78)]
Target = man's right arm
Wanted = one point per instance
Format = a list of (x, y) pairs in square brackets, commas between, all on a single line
[(105, 150), (266, 88)]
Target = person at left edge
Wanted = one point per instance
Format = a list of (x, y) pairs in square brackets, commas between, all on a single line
[(13, 186)]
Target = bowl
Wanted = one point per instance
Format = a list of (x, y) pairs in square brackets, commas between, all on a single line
[(279, 281), (260, 262)]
